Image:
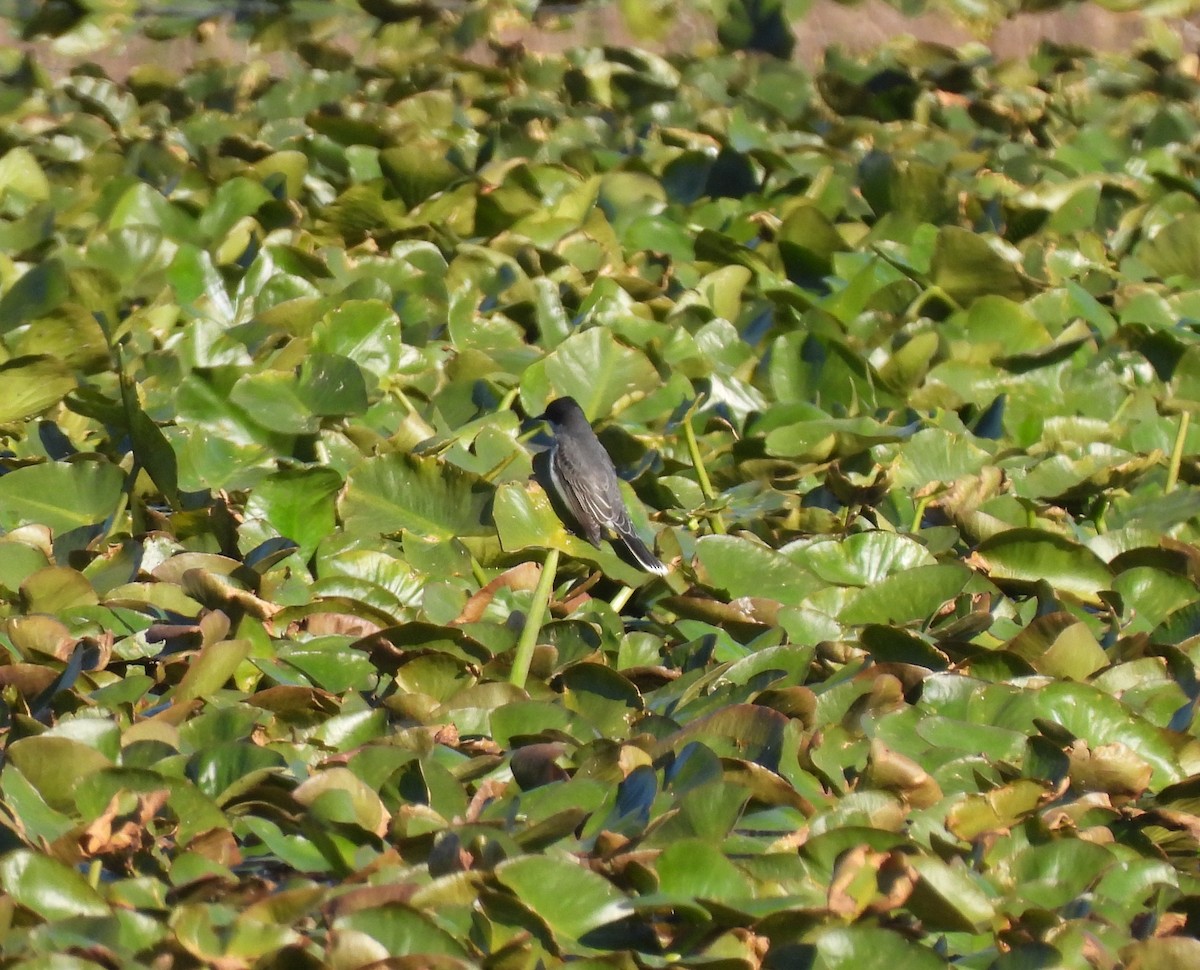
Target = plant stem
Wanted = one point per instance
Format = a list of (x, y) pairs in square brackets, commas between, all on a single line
[(477, 571), (491, 473), (533, 620), (1185, 418), (622, 597), (919, 513), (126, 499), (706, 488), (506, 402)]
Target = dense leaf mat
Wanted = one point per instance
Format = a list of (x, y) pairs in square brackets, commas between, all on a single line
[(900, 359)]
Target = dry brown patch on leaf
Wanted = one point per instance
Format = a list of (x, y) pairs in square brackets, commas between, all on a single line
[(217, 845), (115, 832), (324, 624), (488, 790), (859, 881), (523, 577), (41, 634), (1112, 768), (535, 765), (891, 771), (370, 897)]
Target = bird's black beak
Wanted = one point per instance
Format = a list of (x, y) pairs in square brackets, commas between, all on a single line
[(532, 426)]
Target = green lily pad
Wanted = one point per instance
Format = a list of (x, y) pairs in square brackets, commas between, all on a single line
[(915, 594), (1026, 557), (594, 368), (395, 493), (967, 267), (694, 869), (571, 899), (49, 888), (55, 765), (60, 495), (30, 385), (745, 568)]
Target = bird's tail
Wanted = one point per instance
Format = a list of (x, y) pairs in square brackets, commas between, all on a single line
[(638, 549)]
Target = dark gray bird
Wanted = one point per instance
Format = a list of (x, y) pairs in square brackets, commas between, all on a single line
[(586, 482)]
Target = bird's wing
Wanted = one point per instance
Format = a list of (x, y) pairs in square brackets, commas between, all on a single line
[(595, 507), (596, 503), (637, 548)]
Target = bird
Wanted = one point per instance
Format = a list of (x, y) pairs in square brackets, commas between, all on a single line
[(583, 476)]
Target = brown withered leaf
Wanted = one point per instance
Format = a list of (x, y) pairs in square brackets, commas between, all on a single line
[(745, 618), (966, 494), (28, 680), (764, 785), (287, 699), (536, 764), (897, 880), (897, 773), (1113, 768), (40, 634), (322, 624), (855, 882), (524, 576), (116, 833), (217, 592), (488, 791), (370, 897), (217, 845)]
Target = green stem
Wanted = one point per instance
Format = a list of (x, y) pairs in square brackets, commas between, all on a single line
[(694, 450), (1185, 418), (919, 513), (622, 597), (706, 488), (126, 499), (533, 620), (491, 473), (506, 402), (481, 577)]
